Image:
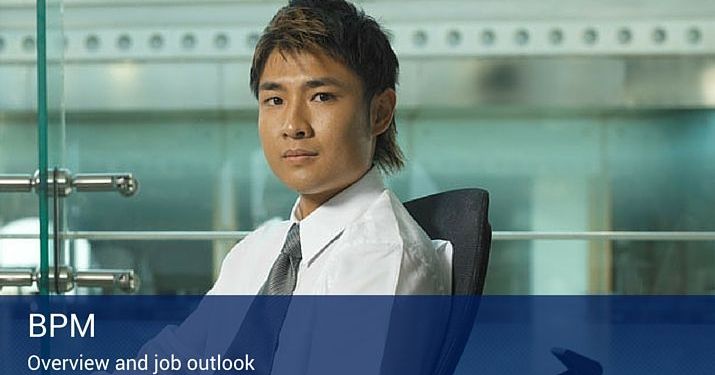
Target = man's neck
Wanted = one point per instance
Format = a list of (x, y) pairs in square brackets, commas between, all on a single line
[(310, 202)]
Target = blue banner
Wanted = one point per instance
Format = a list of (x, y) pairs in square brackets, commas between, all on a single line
[(358, 335)]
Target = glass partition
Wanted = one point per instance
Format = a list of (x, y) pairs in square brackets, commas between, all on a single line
[(51, 138), (19, 208), (31, 145), (622, 171)]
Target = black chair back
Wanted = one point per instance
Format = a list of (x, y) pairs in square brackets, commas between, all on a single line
[(460, 216)]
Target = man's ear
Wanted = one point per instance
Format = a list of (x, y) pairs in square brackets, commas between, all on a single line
[(382, 109)]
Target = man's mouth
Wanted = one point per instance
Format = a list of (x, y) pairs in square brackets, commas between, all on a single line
[(298, 153)]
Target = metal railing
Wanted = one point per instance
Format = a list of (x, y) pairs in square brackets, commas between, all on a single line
[(496, 235)]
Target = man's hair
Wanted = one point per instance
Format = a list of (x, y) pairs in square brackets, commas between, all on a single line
[(348, 35)]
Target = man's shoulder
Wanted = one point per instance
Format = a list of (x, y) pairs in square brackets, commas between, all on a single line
[(387, 220), (425, 264)]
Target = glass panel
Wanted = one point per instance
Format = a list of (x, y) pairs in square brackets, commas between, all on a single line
[(18, 136), (31, 48), (197, 171), (575, 267), (55, 45), (616, 171)]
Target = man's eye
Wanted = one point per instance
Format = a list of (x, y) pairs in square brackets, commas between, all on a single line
[(274, 101), (323, 97)]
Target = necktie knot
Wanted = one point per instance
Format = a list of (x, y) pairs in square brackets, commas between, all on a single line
[(291, 246), (284, 274)]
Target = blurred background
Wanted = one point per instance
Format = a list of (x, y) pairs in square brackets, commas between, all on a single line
[(591, 123)]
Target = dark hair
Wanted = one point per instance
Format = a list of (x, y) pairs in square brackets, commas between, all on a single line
[(338, 29)]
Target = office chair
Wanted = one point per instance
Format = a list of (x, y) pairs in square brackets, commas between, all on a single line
[(459, 216)]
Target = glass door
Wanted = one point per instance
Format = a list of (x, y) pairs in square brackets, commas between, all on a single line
[(31, 147), (36, 254), (18, 152), (24, 246)]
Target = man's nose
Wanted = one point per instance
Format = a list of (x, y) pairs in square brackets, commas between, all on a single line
[(297, 123)]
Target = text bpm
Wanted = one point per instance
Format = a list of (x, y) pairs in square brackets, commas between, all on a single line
[(57, 322)]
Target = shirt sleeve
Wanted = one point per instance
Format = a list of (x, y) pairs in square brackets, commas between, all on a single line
[(364, 269), (425, 271)]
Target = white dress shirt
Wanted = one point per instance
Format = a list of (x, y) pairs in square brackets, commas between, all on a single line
[(360, 242)]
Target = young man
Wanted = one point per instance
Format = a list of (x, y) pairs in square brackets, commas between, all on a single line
[(324, 75)]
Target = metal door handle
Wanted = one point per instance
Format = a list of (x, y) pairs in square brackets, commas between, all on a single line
[(15, 183), (124, 183), (124, 280)]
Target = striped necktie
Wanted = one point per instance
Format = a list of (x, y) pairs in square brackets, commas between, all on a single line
[(259, 332), (284, 273)]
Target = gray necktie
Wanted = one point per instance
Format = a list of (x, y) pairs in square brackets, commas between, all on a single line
[(262, 325), (284, 273)]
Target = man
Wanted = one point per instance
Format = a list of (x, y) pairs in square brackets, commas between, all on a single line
[(324, 75)]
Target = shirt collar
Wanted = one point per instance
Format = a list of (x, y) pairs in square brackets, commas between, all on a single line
[(324, 224)]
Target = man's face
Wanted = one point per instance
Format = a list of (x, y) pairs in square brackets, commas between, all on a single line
[(314, 123)]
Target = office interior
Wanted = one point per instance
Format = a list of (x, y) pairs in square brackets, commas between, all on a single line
[(591, 124)]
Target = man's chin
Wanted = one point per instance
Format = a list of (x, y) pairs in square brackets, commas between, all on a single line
[(313, 189), (303, 186), (312, 184)]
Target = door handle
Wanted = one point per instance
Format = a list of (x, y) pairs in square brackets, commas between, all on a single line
[(124, 280), (124, 183), (60, 184)]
